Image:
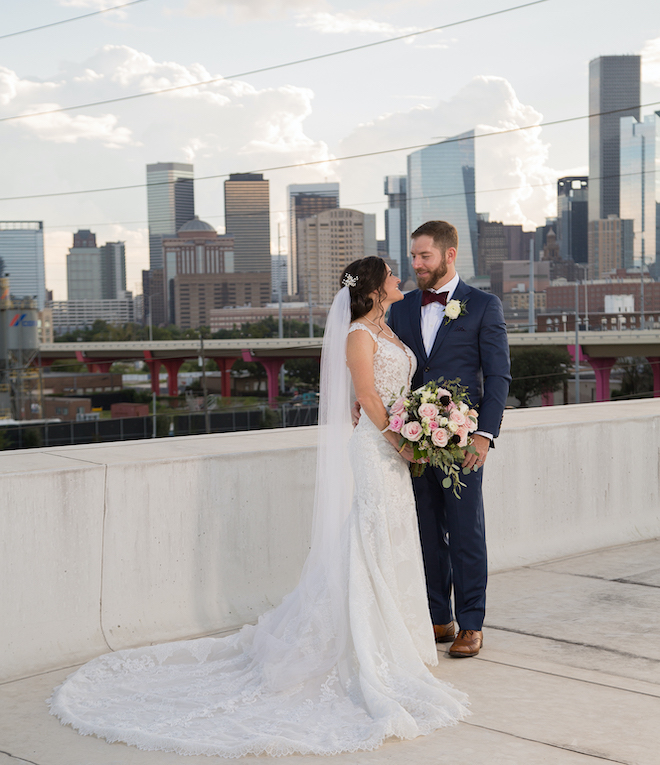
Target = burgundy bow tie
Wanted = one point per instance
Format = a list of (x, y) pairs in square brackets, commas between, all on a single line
[(434, 297)]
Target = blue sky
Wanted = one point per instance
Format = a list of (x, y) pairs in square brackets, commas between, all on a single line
[(518, 68)]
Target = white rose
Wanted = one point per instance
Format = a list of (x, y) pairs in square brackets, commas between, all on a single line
[(453, 309), (463, 408), (452, 426), (443, 422)]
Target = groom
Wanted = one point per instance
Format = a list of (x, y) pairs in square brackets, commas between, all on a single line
[(473, 347)]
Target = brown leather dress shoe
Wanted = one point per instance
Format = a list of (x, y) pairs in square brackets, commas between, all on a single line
[(444, 633), (468, 643)]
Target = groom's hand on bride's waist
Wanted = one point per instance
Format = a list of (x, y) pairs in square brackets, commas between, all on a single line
[(355, 413), (476, 461)]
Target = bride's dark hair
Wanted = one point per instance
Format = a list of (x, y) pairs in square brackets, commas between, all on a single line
[(371, 273)]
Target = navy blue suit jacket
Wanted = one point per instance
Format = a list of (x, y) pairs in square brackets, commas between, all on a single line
[(473, 348)]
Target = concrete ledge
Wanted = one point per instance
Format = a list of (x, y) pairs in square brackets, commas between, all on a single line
[(117, 545)]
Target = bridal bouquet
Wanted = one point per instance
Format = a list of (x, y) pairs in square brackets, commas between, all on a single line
[(436, 420)]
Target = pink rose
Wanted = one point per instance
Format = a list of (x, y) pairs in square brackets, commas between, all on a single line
[(440, 437), (463, 433), (428, 410), (396, 423), (412, 431), (433, 425), (398, 407), (442, 392), (450, 407), (472, 420), (457, 416)]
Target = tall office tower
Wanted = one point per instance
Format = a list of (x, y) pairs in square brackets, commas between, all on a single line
[(113, 270), (170, 203), (610, 245), (305, 200), (614, 92), (247, 219), (327, 243), (22, 252), (493, 246), (83, 268), (196, 249), (640, 182), (573, 219), (278, 277), (441, 187), (396, 231)]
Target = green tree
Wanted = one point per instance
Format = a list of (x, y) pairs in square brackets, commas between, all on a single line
[(636, 378), (303, 372), (536, 371)]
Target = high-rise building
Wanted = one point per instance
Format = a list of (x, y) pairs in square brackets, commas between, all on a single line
[(196, 249), (441, 186), (327, 243), (640, 182), (247, 219), (113, 270), (493, 246), (305, 200), (396, 230), (610, 245), (22, 255), (573, 218), (170, 203), (83, 268), (614, 92)]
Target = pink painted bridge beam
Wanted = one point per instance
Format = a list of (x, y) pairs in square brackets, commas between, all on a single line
[(272, 365), (224, 366), (172, 367), (654, 361)]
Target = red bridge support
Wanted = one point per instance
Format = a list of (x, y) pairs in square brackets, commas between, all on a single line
[(654, 361), (272, 365), (224, 365)]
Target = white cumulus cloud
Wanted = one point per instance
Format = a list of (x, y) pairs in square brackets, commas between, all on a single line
[(651, 62), (250, 10), (346, 23), (514, 163)]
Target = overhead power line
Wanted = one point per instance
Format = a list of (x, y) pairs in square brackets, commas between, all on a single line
[(272, 67), (73, 18), (363, 155)]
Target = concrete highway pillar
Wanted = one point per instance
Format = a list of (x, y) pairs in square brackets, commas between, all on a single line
[(272, 365), (154, 371), (602, 368), (224, 366), (654, 361), (172, 367), (101, 366), (548, 399)]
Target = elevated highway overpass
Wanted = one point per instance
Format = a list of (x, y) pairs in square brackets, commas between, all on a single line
[(599, 349)]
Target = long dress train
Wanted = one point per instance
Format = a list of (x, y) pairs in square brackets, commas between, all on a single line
[(319, 674)]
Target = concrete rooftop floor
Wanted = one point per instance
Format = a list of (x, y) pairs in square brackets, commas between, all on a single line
[(570, 674)]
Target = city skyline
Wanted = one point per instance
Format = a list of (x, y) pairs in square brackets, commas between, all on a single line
[(434, 85)]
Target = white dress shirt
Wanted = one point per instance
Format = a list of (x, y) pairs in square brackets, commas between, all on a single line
[(432, 316), (434, 313)]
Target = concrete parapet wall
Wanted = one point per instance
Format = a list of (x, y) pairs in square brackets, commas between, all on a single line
[(115, 545)]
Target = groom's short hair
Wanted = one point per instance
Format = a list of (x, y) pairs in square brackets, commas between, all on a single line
[(444, 235)]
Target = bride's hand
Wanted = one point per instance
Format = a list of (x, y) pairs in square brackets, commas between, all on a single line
[(408, 454)]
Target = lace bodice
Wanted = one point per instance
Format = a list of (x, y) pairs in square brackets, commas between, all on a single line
[(394, 367)]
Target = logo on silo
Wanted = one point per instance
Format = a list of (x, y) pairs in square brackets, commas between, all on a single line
[(20, 321)]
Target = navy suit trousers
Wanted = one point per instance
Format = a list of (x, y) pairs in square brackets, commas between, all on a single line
[(453, 539)]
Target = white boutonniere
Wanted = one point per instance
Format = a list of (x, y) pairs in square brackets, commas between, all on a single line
[(454, 309)]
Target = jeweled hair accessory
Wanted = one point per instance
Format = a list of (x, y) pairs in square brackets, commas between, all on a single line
[(349, 280)]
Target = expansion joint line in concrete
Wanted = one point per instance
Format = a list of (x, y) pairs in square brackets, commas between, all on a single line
[(105, 511), (621, 580), (18, 759), (570, 677), (573, 749), (615, 651)]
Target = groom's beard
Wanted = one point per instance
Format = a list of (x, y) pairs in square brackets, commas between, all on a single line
[(429, 280)]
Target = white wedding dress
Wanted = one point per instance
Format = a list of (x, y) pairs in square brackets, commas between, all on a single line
[(339, 666)]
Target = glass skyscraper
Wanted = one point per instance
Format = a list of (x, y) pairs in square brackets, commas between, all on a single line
[(573, 218), (640, 182), (170, 203), (441, 186), (614, 92), (396, 231), (305, 200), (113, 270), (22, 254), (247, 219)]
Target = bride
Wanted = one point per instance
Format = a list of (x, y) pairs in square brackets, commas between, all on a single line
[(339, 665)]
